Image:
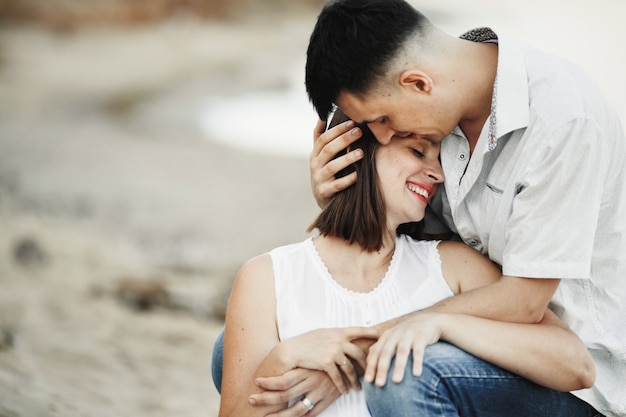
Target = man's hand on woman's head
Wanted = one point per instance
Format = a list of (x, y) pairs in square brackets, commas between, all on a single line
[(326, 145)]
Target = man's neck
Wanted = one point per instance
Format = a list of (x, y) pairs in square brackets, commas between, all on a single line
[(479, 93)]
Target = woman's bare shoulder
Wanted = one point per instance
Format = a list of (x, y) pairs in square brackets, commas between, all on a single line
[(464, 267)]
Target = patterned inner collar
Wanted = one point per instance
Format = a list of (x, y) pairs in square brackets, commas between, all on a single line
[(481, 35)]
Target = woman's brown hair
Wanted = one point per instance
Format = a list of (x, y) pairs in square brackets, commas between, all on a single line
[(356, 214)]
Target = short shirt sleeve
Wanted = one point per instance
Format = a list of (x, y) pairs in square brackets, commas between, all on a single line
[(551, 229)]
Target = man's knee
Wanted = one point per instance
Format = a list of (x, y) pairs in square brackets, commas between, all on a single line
[(441, 361)]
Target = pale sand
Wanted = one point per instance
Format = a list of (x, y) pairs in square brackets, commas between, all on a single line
[(104, 177)]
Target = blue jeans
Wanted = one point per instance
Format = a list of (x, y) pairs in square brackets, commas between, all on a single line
[(217, 361), (456, 384)]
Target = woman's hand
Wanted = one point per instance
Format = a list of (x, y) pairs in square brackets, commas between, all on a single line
[(411, 333), (314, 385), (331, 351), (324, 168)]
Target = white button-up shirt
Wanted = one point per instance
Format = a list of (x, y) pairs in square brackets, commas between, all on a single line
[(544, 196)]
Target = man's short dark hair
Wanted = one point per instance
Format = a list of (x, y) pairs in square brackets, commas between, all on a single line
[(351, 45)]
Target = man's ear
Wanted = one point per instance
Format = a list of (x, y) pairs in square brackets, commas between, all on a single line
[(418, 80)]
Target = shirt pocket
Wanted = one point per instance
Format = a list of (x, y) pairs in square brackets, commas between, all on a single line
[(494, 189)]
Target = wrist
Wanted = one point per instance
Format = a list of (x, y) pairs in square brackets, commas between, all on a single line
[(444, 323), (382, 327), (282, 359)]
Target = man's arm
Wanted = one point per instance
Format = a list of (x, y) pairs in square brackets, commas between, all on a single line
[(547, 353), (481, 291), (511, 299)]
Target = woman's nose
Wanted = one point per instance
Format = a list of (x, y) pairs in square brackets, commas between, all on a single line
[(435, 171)]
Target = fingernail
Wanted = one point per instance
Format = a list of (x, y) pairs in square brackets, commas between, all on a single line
[(251, 401), (355, 131), (358, 153), (349, 124)]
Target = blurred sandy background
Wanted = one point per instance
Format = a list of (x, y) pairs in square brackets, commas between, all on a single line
[(147, 149)]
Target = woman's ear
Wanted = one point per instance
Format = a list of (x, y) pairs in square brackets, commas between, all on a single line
[(418, 80)]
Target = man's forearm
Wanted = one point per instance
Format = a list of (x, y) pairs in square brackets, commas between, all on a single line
[(512, 299)]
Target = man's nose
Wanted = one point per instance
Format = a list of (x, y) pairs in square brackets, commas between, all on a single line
[(382, 133)]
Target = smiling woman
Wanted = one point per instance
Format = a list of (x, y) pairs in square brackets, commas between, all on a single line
[(319, 305), (359, 214)]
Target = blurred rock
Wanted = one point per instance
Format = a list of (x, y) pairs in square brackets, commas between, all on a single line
[(219, 304), (223, 288), (142, 294), (6, 339), (28, 253)]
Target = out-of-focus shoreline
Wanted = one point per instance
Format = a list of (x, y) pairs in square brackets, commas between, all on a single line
[(122, 225)]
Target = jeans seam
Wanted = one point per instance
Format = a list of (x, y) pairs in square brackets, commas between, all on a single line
[(441, 400)]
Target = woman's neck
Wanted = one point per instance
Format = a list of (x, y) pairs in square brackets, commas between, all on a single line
[(351, 266)]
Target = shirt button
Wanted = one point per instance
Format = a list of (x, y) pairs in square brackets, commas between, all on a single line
[(462, 156), (368, 322), (472, 242)]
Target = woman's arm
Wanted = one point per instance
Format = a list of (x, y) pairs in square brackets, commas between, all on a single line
[(252, 348), (250, 335)]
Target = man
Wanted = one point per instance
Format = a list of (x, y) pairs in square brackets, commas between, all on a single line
[(535, 178), (534, 160)]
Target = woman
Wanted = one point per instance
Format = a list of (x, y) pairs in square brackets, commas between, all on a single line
[(313, 304)]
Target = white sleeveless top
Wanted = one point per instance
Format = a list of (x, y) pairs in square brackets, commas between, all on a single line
[(308, 298)]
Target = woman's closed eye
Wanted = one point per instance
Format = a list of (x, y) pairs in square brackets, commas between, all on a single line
[(417, 153)]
